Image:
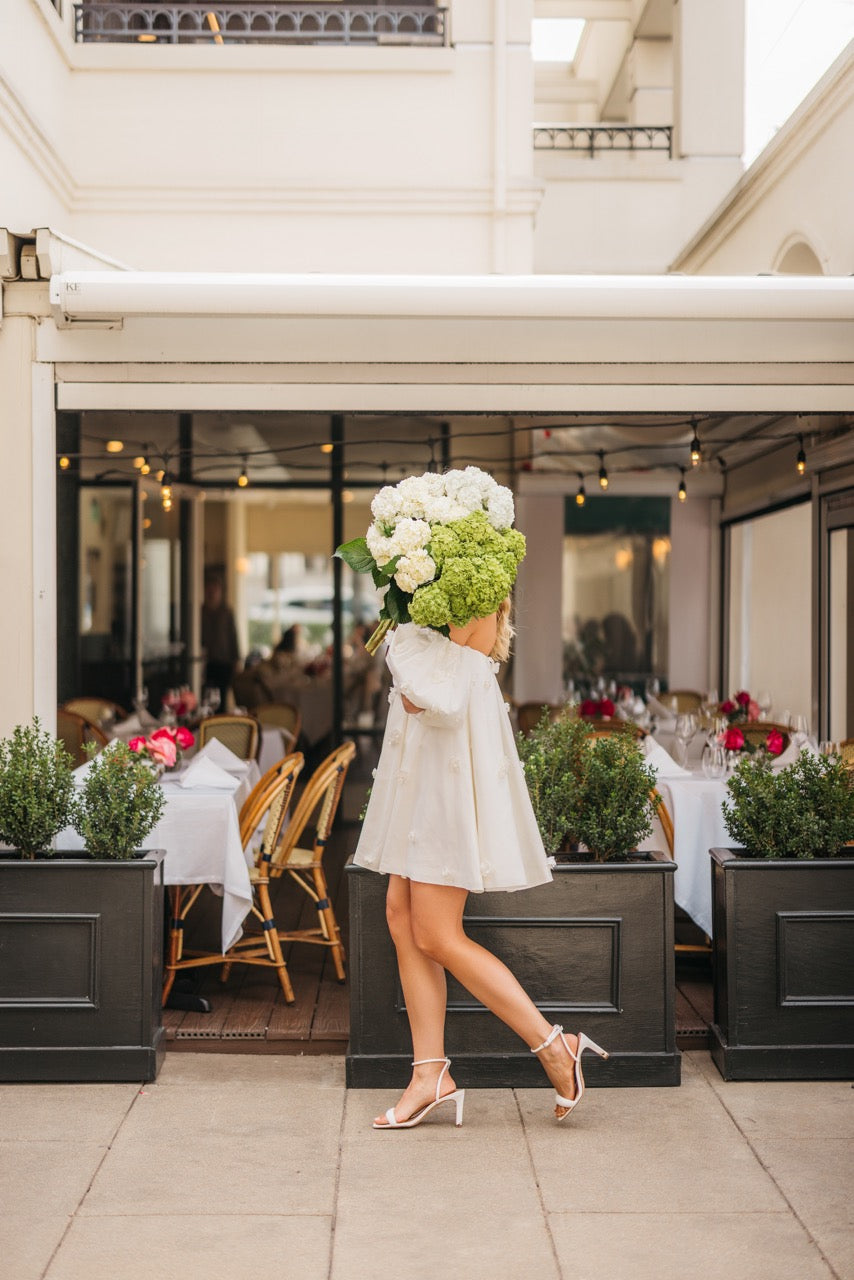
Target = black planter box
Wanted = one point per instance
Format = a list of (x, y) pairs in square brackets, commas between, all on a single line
[(81, 961), (594, 950), (784, 967)]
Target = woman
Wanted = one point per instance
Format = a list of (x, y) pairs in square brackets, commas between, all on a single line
[(449, 814)]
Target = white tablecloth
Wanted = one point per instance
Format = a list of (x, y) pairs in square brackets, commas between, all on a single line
[(200, 833)]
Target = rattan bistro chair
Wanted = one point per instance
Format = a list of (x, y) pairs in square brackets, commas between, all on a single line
[(98, 710), (269, 809), (665, 821), (603, 727), (280, 715), (682, 701), (241, 734), (76, 732), (846, 752), (317, 805), (529, 714)]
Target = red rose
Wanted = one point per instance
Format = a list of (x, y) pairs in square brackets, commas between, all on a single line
[(728, 707), (606, 707), (774, 742), (742, 698), (165, 732), (184, 738), (137, 744), (589, 707), (733, 740)]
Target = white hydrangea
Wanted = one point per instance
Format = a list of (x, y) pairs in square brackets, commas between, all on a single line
[(409, 535), (414, 570), (415, 497), (385, 506), (443, 510), (378, 544), (499, 508)]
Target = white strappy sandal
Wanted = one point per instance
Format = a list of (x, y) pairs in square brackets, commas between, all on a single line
[(457, 1097), (584, 1042)]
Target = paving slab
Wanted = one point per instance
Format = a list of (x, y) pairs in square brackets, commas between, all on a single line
[(318, 1070), (223, 1149), (681, 1142), (35, 1176), (661, 1246), (64, 1112), (438, 1200), (790, 1109), (194, 1248), (27, 1243)]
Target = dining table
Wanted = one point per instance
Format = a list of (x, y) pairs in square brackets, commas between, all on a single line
[(199, 830)]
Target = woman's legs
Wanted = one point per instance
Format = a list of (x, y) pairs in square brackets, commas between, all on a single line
[(426, 923)]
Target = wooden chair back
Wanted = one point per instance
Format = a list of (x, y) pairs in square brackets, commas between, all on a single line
[(756, 731), (529, 714), (253, 806), (280, 715), (846, 752), (321, 796), (76, 731), (682, 700), (603, 727), (97, 710), (241, 734), (272, 810)]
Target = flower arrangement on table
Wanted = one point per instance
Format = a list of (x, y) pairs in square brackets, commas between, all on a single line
[(740, 707), (441, 548), (165, 747), (181, 702), (733, 739)]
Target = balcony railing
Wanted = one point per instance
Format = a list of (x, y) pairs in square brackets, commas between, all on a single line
[(201, 23), (593, 138)]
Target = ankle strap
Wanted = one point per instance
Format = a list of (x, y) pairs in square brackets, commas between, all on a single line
[(423, 1062), (553, 1035)]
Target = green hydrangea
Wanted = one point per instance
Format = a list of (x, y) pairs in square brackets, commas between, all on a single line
[(476, 571)]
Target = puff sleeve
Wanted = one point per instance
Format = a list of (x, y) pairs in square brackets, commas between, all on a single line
[(431, 671)]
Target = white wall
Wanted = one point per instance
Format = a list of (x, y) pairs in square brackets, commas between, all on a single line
[(537, 671), (692, 609)]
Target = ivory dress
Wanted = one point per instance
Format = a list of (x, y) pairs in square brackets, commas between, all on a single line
[(449, 804)]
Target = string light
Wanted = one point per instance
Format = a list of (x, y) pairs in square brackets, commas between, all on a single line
[(603, 474), (243, 479), (64, 463), (166, 492), (139, 461), (801, 460), (327, 448), (683, 492), (695, 445), (114, 446), (581, 496), (158, 476)]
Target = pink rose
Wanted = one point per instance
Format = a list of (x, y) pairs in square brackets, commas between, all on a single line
[(733, 740), (137, 743), (754, 711), (728, 707), (190, 701), (742, 698), (606, 707), (163, 751), (160, 735), (184, 738), (774, 742)]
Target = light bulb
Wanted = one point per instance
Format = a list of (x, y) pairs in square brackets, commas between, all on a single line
[(695, 446), (683, 492), (139, 461), (801, 460), (327, 448), (581, 496), (144, 469), (243, 479), (114, 446), (603, 474), (64, 463)]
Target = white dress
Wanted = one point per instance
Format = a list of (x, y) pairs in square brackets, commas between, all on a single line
[(449, 804)]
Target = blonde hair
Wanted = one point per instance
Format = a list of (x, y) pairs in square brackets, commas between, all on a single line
[(504, 632)]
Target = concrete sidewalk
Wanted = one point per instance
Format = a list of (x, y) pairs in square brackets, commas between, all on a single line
[(233, 1167)]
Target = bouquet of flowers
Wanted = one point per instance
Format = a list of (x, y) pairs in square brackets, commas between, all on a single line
[(441, 548), (597, 708), (165, 747), (741, 706)]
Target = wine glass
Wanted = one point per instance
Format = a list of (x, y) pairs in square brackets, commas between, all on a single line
[(763, 698), (214, 699), (828, 748), (140, 700), (714, 760), (802, 726), (683, 732), (652, 686)]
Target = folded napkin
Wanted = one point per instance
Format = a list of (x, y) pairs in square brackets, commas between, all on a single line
[(663, 714), (800, 742), (204, 772), (662, 762), (218, 753)]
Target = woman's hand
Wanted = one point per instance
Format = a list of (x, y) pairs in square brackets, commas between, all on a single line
[(410, 707)]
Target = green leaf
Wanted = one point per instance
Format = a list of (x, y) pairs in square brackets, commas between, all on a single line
[(383, 574), (357, 556), (397, 603)]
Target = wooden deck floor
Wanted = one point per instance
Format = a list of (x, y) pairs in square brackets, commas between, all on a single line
[(249, 1014)]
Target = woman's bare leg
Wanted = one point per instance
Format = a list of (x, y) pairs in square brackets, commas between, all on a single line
[(425, 991), (436, 919)]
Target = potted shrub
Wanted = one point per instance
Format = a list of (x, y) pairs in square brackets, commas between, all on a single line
[(783, 909), (80, 934), (594, 948)]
